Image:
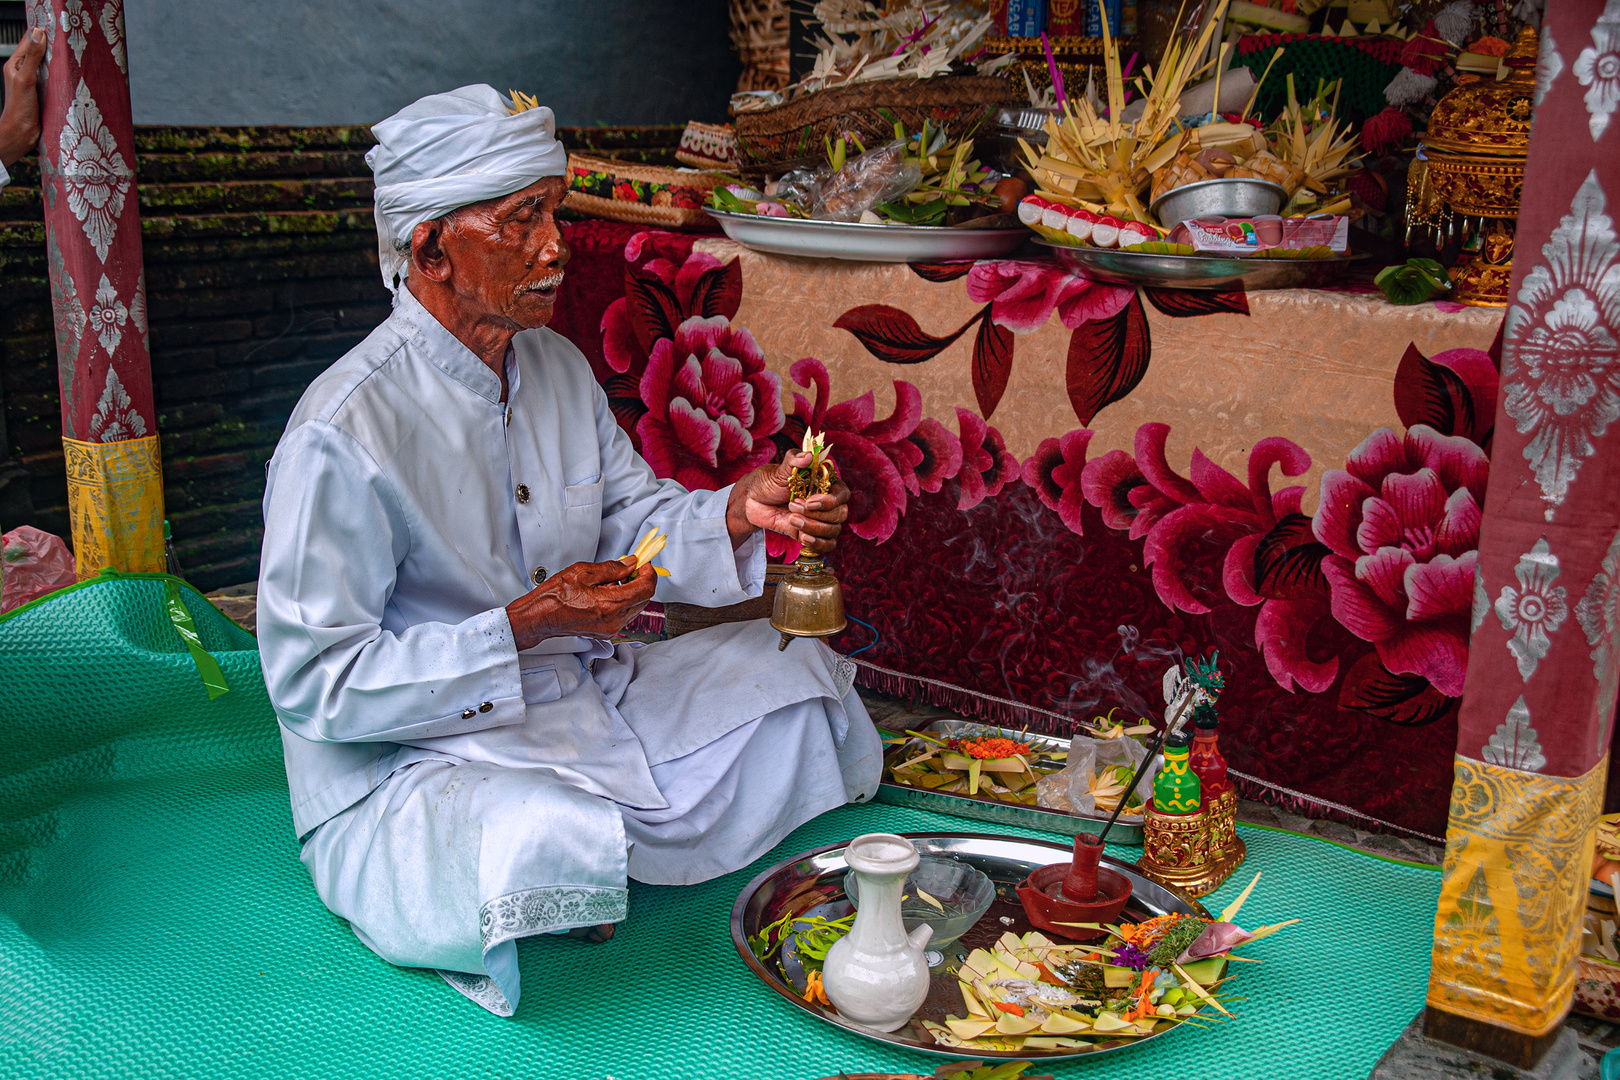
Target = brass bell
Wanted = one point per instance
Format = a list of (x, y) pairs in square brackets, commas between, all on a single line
[(809, 602)]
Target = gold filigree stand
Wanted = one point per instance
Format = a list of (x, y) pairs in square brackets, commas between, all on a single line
[(115, 503), (1176, 853), (1518, 852)]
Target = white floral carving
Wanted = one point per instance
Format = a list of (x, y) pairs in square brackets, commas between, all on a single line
[(1598, 612), (1514, 743), (1561, 366), (112, 28), (70, 319), (1535, 609), (108, 316), (1549, 65), (93, 171), (1598, 69), (137, 309), (76, 25), (1482, 603), (116, 419), (40, 16)]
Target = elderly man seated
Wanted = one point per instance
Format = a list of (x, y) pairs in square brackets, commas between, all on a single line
[(471, 761)]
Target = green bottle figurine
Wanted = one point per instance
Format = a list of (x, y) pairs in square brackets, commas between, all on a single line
[(1176, 789)]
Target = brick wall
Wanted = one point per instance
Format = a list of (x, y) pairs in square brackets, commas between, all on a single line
[(261, 269)]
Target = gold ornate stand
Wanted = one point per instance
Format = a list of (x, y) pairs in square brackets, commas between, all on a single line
[(1176, 853), (1471, 173)]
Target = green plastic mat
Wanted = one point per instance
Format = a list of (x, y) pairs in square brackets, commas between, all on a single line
[(155, 920)]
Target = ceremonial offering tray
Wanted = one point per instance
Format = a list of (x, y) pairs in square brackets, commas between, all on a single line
[(866, 242), (1200, 271), (812, 884), (1127, 830)]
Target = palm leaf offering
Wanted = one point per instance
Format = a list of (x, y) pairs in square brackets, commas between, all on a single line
[(647, 550), (1098, 161), (1030, 992), (1413, 281), (1315, 147), (1099, 173), (977, 761)]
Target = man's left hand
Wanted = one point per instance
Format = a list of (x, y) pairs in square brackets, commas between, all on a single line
[(19, 122), (760, 501)]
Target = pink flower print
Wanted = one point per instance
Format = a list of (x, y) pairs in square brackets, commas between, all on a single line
[(1055, 471), (631, 325), (939, 457), (711, 405), (1401, 522), (1024, 295), (986, 465), (878, 459)]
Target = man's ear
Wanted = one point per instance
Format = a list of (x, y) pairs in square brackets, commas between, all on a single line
[(428, 257)]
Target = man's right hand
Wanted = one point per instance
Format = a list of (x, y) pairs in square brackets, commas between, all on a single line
[(584, 600), (19, 123)]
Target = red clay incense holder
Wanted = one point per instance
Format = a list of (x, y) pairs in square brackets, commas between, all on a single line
[(1080, 892)]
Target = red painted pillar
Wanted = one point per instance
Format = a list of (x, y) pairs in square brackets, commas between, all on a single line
[(98, 288), (1544, 660)]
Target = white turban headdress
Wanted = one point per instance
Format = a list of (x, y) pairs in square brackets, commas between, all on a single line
[(448, 150)]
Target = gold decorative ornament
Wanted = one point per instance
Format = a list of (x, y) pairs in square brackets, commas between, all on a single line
[(809, 601), (1472, 171), (1175, 853)]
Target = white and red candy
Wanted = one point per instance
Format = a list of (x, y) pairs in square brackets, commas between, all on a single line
[(1098, 230)]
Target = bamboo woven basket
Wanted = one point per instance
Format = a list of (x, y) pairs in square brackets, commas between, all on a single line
[(640, 194), (759, 32), (790, 136)]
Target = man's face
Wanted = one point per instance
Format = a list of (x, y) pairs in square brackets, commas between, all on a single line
[(507, 255)]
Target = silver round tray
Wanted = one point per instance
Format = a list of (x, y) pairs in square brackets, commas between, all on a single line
[(1200, 271), (865, 242), (813, 884)]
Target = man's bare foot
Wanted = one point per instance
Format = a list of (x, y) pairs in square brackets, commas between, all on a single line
[(596, 935)]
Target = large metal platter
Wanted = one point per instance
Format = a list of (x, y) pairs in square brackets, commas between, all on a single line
[(1126, 830), (1200, 271), (813, 884), (867, 243)]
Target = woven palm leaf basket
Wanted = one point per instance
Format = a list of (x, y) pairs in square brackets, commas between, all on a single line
[(791, 135), (639, 194)]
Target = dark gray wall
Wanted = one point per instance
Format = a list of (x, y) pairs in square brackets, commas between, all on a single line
[(309, 62)]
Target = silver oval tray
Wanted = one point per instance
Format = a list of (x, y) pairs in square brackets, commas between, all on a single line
[(1127, 829), (1199, 271), (813, 884), (865, 242)]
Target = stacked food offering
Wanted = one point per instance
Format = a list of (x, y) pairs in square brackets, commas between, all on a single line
[(1149, 176)]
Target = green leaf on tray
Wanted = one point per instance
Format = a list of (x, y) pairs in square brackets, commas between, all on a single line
[(1413, 282)]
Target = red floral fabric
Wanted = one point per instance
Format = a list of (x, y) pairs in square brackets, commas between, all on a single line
[(1070, 582)]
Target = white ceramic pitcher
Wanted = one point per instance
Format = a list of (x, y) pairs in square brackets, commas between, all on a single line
[(876, 975)]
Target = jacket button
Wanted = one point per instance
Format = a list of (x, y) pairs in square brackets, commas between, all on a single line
[(522, 493), (486, 706), (467, 714), (539, 574)]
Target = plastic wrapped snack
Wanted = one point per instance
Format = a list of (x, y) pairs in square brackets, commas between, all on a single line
[(1073, 787), (878, 176)]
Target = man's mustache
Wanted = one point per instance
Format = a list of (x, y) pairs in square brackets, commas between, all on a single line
[(550, 281)]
